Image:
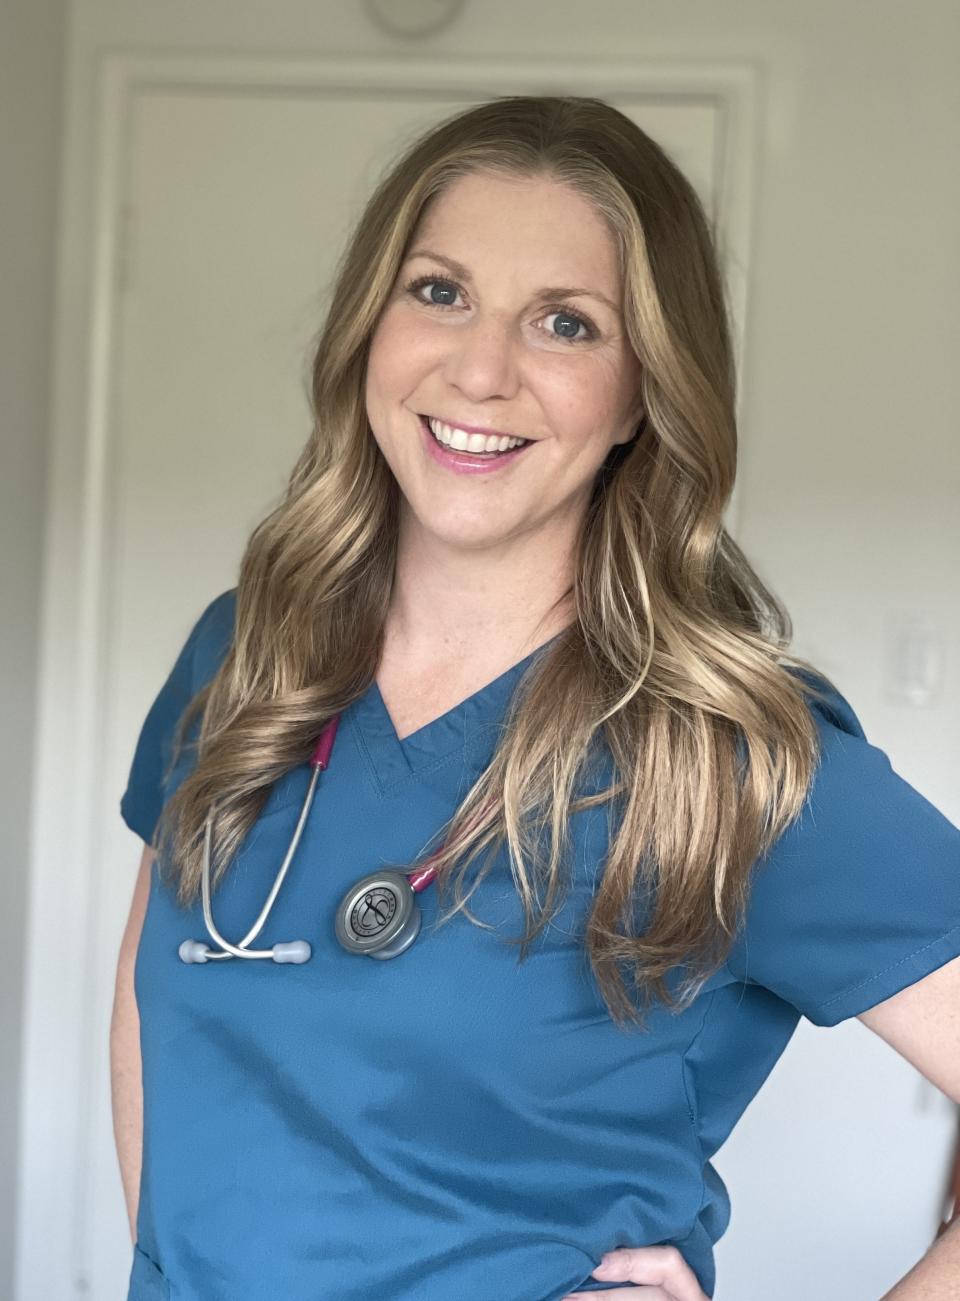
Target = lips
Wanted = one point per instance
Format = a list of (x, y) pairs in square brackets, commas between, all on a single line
[(475, 429), (469, 463)]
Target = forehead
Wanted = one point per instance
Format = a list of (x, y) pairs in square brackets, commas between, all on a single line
[(531, 230)]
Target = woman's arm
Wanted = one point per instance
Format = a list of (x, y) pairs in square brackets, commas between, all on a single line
[(126, 1087), (935, 1277), (922, 1023)]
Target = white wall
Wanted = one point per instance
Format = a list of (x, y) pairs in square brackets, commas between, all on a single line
[(850, 466), (32, 38)]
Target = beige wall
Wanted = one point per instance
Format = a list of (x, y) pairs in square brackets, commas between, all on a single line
[(32, 38)]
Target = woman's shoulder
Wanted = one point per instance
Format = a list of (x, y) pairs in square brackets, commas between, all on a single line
[(829, 707), (853, 777), (860, 895), (857, 794), (212, 635)]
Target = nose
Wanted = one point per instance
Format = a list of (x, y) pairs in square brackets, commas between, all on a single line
[(482, 361)]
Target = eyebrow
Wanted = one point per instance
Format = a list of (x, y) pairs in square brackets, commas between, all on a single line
[(556, 291)]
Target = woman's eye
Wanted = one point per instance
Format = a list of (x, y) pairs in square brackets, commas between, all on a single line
[(569, 322), (446, 288), (567, 319)]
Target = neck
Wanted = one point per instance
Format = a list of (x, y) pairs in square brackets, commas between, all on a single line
[(482, 606)]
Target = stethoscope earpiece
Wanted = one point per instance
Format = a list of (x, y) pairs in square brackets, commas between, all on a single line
[(193, 951), (294, 951)]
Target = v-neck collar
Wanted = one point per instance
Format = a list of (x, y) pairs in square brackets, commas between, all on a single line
[(463, 734)]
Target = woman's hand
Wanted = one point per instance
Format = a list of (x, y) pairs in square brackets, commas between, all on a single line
[(663, 1269)]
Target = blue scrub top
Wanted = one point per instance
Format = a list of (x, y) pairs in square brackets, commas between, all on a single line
[(449, 1123)]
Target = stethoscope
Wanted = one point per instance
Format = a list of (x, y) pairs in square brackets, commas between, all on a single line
[(379, 914)]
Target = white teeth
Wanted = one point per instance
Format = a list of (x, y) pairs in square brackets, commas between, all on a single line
[(461, 441)]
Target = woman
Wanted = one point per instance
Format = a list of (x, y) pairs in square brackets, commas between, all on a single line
[(658, 837)]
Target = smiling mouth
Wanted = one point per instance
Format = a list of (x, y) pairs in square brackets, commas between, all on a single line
[(456, 440)]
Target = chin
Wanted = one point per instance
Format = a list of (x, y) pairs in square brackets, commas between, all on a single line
[(460, 533)]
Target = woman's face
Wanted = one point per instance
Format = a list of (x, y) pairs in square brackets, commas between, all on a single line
[(488, 340)]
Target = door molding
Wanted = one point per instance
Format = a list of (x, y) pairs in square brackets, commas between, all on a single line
[(63, 1037)]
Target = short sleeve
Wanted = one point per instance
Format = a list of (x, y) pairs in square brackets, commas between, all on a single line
[(860, 896), (143, 799)]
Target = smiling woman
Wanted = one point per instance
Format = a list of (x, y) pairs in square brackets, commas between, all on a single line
[(663, 838)]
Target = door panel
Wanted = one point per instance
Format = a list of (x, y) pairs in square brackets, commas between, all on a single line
[(235, 205)]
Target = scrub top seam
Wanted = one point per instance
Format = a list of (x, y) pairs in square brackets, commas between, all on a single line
[(693, 1109), (884, 971), (361, 744), (441, 760)]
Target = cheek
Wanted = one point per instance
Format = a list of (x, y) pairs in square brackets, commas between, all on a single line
[(583, 402), (381, 361), (399, 354)]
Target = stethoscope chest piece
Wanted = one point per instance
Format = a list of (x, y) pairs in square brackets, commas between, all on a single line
[(379, 915)]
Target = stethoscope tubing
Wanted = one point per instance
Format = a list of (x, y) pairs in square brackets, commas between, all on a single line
[(241, 948), (395, 890)]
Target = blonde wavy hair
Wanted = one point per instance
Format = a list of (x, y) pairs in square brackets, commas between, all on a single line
[(676, 658)]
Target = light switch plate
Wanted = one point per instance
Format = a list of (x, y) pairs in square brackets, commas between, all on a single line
[(914, 651)]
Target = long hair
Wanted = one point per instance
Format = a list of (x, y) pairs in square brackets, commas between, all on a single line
[(676, 659)]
